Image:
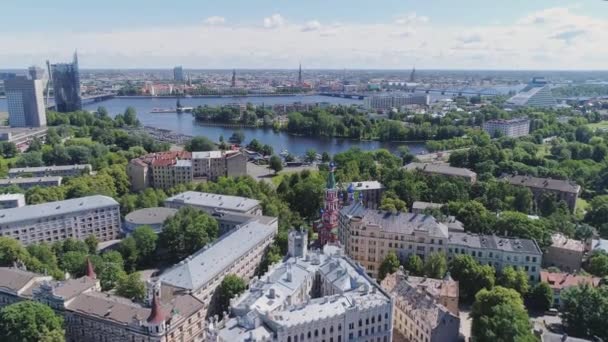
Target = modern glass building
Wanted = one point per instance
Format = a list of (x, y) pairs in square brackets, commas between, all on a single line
[(66, 85), (25, 102), (536, 94)]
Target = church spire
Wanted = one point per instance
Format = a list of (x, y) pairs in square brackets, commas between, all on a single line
[(331, 179), (156, 314)]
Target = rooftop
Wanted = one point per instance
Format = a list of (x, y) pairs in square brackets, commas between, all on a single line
[(155, 215), (509, 121), (561, 241), (565, 280), (13, 280), (30, 180), (368, 185), (543, 183), (402, 223), (419, 205), (12, 197), (201, 267), (207, 154), (215, 201), (443, 169), (507, 244), (599, 244), (38, 211), (50, 168)]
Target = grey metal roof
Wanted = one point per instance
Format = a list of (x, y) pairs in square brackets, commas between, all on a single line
[(50, 168), (543, 183), (30, 180), (368, 185), (225, 202), (507, 244), (155, 215), (201, 267), (440, 169), (37, 211)]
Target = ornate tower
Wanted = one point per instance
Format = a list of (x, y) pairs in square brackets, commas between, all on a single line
[(297, 243), (413, 75), (156, 320), (329, 213)]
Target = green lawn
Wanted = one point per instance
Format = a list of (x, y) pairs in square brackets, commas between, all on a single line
[(599, 125)]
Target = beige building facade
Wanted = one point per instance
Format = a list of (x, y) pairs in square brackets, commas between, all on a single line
[(564, 253)]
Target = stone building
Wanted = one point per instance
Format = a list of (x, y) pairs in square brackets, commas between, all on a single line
[(75, 218), (443, 170), (369, 235), (323, 296), (563, 190), (420, 315), (564, 253), (370, 192)]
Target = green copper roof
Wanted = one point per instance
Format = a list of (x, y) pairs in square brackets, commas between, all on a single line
[(331, 180)]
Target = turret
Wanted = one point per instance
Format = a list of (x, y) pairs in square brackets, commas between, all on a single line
[(297, 243), (156, 320), (90, 270)]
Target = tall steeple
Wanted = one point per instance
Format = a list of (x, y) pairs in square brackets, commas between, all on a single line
[(300, 75), (413, 75), (156, 314), (329, 213), (233, 84)]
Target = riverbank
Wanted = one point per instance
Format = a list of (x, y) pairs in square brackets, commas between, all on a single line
[(210, 96)]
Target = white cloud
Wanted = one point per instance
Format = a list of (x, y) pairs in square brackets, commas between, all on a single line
[(215, 20), (312, 25), (274, 21), (547, 39)]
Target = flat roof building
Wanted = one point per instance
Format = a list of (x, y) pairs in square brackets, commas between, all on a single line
[(444, 170), (12, 201), (564, 253), (153, 217), (513, 128), (30, 182), (563, 190), (75, 218), (370, 192), (212, 202), (25, 102), (47, 171)]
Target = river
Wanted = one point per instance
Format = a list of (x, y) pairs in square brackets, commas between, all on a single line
[(185, 123)]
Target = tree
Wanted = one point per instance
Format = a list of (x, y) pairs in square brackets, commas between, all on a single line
[(325, 157), (471, 275), (311, 155), (145, 240), (30, 321), (516, 279), (499, 315), (130, 253), (435, 266), (584, 311), (200, 144), (188, 231), (230, 287), (131, 287), (414, 265), (540, 297), (389, 265), (10, 251), (8, 149), (92, 242), (276, 164), (598, 264), (74, 263)]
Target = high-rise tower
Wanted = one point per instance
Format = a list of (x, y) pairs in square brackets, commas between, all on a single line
[(25, 101), (66, 86), (300, 75), (233, 84), (413, 75)]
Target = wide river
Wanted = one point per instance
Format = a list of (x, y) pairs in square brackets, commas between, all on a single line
[(185, 123)]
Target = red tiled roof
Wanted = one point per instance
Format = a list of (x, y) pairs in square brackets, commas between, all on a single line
[(565, 280)]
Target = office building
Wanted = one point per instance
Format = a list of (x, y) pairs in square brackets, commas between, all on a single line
[(370, 193), (37, 73), (443, 170), (8, 201), (66, 86), (386, 102), (25, 102), (564, 253), (562, 281), (49, 171), (563, 190), (420, 315), (536, 94), (75, 218), (498, 252), (323, 296), (94, 316), (152, 217), (30, 182), (178, 74), (168, 169), (512, 128), (211, 203), (369, 235)]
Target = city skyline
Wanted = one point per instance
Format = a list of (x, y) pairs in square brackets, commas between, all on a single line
[(545, 35)]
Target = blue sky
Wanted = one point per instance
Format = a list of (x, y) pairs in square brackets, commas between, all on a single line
[(330, 33)]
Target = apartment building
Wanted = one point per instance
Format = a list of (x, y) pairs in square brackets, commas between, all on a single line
[(513, 128), (419, 314), (442, 170), (318, 296), (370, 192), (211, 203), (8, 201), (389, 101), (563, 281), (30, 182), (369, 235), (563, 190), (94, 316), (167, 169), (498, 252), (564, 253), (49, 171), (56, 221)]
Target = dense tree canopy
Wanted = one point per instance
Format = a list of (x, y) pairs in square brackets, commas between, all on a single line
[(30, 321), (188, 231)]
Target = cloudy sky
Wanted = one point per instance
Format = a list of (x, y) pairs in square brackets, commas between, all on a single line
[(378, 34)]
